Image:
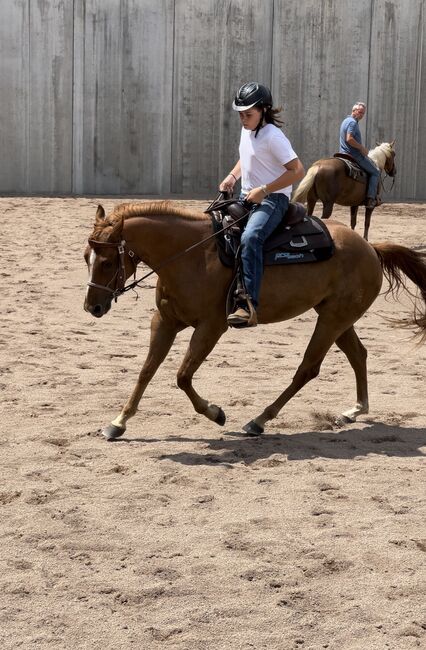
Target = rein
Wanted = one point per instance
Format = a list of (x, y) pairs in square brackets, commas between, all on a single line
[(120, 275), (382, 180)]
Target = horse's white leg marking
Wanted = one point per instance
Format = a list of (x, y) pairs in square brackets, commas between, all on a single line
[(91, 263), (353, 413), (120, 421)]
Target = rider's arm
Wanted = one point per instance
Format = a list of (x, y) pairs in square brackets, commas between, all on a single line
[(227, 185), (294, 171), (356, 145)]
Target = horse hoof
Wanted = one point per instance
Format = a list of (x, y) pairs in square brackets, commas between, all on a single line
[(253, 429), (220, 418), (111, 432), (341, 420)]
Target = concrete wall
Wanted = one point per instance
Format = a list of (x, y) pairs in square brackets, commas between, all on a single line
[(134, 96)]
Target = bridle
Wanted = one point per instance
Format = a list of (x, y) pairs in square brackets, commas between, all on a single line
[(120, 275), (391, 173)]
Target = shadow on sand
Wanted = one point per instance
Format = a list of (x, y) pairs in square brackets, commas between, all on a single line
[(235, 447)]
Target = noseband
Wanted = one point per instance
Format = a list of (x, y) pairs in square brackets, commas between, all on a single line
[(120, 275)]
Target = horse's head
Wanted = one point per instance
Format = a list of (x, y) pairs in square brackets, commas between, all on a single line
[(390, 166), (384, 157), (108, 262)]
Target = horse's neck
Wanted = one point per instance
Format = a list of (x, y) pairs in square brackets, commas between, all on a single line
[(156, 239), (378, 156)]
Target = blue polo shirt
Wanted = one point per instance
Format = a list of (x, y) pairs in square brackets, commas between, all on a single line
[(349, 125)]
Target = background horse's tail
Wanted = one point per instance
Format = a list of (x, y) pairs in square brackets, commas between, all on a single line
[(301, 192), (396, 259)]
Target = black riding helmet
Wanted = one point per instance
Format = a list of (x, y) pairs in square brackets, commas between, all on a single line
[(252, 94)]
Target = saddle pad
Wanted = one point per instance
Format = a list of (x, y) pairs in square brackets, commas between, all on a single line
[(353, 170), (306, 241)]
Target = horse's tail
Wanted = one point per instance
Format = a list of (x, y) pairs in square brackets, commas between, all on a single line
[(395, 260), (301, 192)]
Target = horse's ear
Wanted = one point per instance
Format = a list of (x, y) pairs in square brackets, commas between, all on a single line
[(378, 144), (392, 144), (100, 215), (117, 230)]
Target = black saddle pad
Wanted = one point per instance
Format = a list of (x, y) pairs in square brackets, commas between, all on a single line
[(307, 241)]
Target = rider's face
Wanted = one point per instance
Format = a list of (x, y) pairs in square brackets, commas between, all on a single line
[(250, 118), (359, 113)]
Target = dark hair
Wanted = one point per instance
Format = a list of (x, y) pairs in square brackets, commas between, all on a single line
[(268, 115), (271, 116)]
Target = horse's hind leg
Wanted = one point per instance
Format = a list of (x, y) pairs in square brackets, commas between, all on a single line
[(356, 353), (368, 212), (327, 209), (311, 200), (203, 340), (163, 333), (324, 336), (354, 212)]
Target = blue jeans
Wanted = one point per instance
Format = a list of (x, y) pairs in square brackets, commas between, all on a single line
[(263, 220), (373, 174)]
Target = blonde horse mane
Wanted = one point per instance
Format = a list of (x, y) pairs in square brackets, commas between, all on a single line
[(381, 153)]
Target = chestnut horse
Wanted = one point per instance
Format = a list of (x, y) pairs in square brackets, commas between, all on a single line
[(192, 289), (326, 180)]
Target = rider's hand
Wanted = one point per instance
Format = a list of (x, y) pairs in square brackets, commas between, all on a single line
[(255, 195), (227, 185), (364, 151)]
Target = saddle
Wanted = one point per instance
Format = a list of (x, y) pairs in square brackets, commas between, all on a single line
[(353, 170), (298, 239)]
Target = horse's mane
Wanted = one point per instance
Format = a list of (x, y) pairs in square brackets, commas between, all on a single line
[(166, 208), (381, 153), (151, 208)]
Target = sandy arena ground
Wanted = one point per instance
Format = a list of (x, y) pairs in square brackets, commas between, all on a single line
[(184, 534)]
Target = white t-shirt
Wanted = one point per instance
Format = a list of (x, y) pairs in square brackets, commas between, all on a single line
[(262, 158)]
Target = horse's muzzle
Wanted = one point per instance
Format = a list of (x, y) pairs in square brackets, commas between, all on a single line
[(97, 310)]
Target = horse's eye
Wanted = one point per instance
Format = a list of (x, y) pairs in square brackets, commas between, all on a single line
[(107, 265)]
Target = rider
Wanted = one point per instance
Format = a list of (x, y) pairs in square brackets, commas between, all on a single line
[(351, 143), (267, 166)]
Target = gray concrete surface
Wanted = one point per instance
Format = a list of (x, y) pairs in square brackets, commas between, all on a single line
[(134, 96)]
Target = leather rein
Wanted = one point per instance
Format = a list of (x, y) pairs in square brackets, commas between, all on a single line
[(120, 275)]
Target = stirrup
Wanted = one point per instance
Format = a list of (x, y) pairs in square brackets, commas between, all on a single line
[(244, 315)]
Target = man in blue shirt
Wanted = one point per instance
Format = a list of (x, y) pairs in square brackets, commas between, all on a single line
[(351, 143)]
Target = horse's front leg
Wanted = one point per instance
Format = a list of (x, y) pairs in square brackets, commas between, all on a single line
[(202, 342), (163, 333), (354, 212)]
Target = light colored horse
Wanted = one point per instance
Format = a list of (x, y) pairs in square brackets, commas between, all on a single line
[(326, 180), (192, 288)]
